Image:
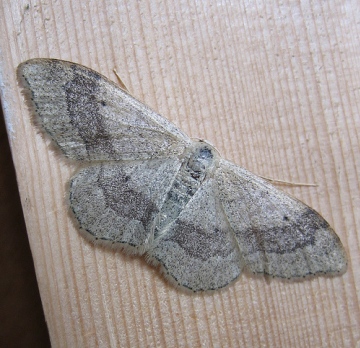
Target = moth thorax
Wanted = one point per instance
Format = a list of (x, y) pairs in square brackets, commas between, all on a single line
[(200, 159)]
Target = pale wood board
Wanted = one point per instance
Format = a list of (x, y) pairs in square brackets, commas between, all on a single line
[(275, 86)]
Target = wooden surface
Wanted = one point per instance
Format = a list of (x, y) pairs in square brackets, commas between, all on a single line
[(20, 304), (275, 87)]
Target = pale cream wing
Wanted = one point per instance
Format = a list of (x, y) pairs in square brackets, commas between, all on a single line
[(117, 202), (91, 118), (198, 251), (277, 234)]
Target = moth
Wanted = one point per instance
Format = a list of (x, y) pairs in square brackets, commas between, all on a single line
[(148, 188)]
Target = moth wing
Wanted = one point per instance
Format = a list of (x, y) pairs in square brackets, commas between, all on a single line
[(198, 251), (277, 234), (91, 118), (117, 202)]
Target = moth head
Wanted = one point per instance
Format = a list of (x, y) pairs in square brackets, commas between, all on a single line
[(201, 159)]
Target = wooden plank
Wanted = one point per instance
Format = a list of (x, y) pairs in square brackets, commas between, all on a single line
[(274, 86)]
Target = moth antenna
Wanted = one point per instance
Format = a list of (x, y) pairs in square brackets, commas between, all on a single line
[(121, 83), (288, 183)]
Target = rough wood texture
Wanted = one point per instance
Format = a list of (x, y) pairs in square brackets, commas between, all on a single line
[(274, 86)]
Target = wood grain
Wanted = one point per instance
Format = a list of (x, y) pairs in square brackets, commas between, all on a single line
[(274, 86)]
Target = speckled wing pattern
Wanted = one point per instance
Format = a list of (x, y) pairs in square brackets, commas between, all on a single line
[(146, 187), (119, 201), (202, 241), (277, 234), (91, 118)]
